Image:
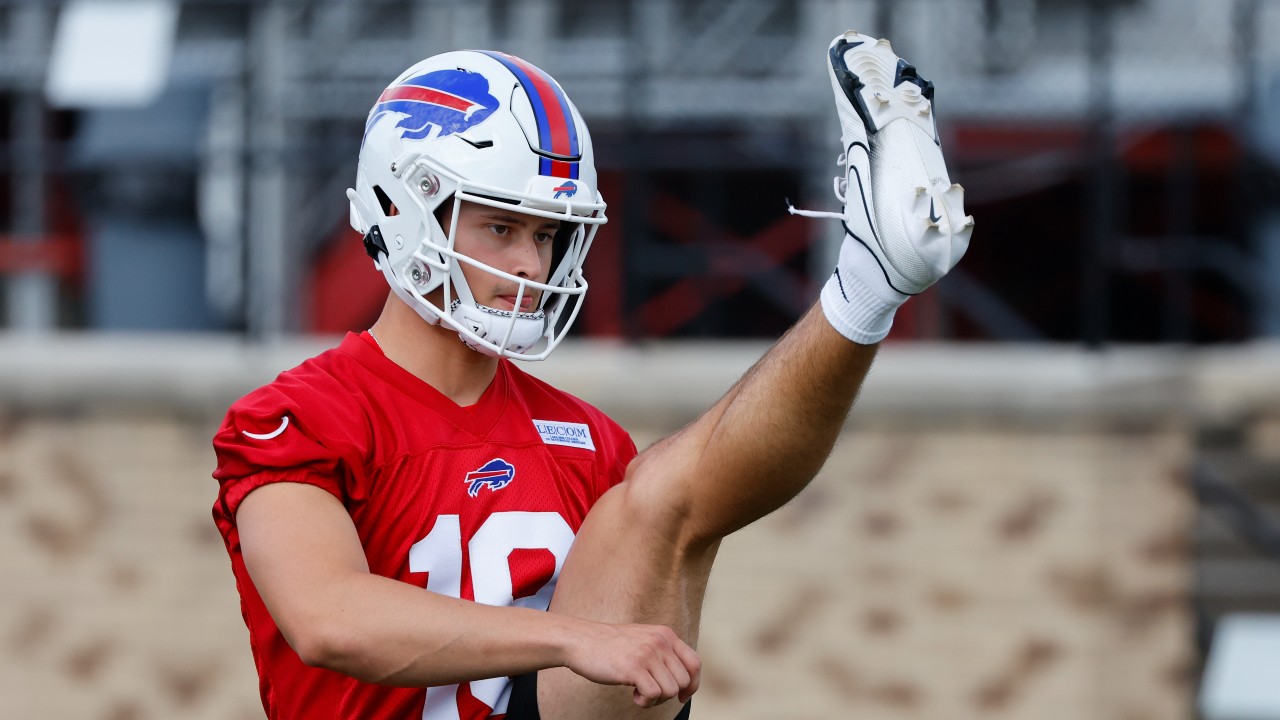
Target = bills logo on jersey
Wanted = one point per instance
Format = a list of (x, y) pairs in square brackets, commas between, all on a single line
[(495, 474), (567, 189), (443, 102)]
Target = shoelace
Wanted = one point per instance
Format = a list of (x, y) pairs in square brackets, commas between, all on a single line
[(840, 186)]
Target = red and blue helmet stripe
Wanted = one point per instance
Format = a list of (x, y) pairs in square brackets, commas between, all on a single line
[(557, 132)]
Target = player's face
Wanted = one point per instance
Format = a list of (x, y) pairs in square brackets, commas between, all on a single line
[(507, 240)]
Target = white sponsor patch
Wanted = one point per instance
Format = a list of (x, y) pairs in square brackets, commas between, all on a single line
[(554, 432)]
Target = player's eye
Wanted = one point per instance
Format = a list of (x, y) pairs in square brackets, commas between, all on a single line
[(544, 237), (499, 229)]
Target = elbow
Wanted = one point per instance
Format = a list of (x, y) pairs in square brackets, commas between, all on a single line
[(342, 651), (326, 646)]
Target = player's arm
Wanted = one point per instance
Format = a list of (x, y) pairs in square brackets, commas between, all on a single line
[(302, 552)]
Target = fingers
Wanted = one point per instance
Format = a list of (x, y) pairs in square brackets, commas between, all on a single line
[(691, 663), (647, 691), (667, 686), (652, 659), (674, 670), (679, 675)]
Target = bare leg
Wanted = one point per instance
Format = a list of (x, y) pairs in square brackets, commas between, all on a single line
[(645, 552), (621, 571), (646, 549)]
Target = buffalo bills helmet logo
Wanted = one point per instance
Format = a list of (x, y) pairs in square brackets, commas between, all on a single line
[(496, 474), (568, 189), (443, 101)]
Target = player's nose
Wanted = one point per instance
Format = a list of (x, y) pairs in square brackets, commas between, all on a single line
[(526, 261)]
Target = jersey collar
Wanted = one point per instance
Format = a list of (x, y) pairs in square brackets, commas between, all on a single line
[(478, 419)]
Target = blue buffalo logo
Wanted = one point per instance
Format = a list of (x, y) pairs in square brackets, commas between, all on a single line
[(443, 101), (496, 474), (568, 189)]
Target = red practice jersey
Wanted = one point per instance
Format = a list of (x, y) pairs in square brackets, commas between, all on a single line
[(480, 503)]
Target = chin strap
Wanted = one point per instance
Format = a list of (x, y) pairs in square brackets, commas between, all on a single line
[(374, 245), (491, 325)]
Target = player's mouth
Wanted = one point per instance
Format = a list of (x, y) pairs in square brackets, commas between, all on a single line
[(508, 302)]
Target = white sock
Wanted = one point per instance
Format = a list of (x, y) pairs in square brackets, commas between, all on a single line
[(857, 300)]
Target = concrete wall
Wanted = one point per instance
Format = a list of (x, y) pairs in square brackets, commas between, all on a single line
[(965, 572), (999, 534)]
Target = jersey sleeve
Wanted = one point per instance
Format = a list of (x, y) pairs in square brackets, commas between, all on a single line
[(614, 453), (625, 452), (287, 434)]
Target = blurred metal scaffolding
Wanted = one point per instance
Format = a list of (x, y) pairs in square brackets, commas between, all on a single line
[(30, 295), (699, 102)]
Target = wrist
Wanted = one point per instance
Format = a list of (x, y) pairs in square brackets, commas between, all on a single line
[(569, 636)]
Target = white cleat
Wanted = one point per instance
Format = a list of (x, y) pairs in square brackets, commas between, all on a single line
[(899, 202)]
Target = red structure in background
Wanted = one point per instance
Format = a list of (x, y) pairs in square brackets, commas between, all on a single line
[(59, 255), (1017, 175), (770, 249), (1180, 219), (1143, 149), (345, 291), (603, 312), (58, 252)]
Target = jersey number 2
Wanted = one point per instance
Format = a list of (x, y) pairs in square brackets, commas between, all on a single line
[(440, 555)]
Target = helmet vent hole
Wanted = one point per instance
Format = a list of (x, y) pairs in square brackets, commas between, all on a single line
[(389, 208)]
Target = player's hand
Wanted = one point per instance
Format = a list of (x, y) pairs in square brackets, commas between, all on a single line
[(652, 659)]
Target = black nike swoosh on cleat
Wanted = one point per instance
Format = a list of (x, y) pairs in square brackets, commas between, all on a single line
[(932, 216), (866, 210)]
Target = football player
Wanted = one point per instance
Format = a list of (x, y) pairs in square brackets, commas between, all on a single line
[(401, 510)]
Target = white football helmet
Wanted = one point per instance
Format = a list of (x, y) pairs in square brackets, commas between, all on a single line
[(487, 128)]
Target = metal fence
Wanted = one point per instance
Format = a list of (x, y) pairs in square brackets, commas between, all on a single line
[(1119, 157)]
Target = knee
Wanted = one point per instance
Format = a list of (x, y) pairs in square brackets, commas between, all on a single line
[(656, 501)]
